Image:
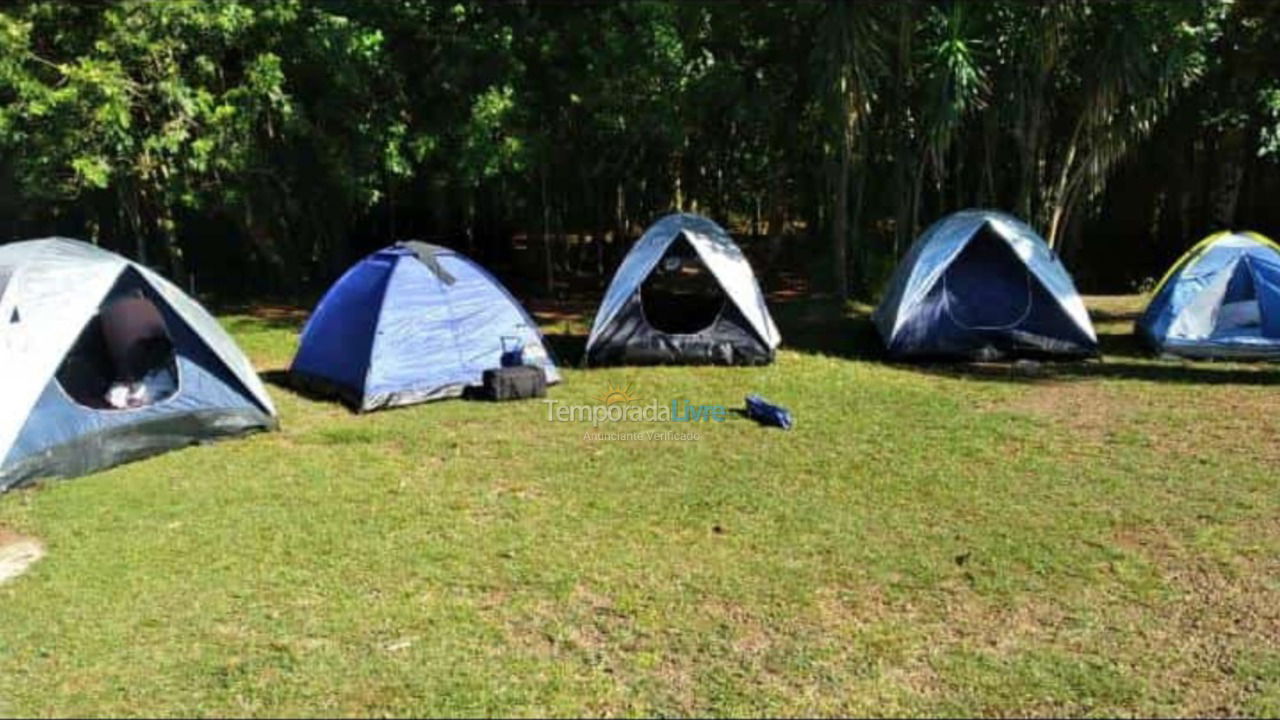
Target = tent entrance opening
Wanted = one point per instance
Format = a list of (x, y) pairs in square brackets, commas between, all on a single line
[(124, 357), (1240, 312), (681, 296)]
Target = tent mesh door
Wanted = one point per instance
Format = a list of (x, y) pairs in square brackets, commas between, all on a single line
[(988, 287)]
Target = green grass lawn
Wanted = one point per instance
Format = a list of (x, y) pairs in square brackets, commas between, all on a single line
[(1094, 538)]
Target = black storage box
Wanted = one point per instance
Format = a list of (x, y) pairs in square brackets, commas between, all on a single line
[(514, 383)]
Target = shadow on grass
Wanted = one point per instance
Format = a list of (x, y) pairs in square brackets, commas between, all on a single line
[(1176, 372), (567, 349), (1124, 345), (827, 327), (283, 380), (817, 326), (563, 324), (1117, 368), (253, 320), (1117, 316)]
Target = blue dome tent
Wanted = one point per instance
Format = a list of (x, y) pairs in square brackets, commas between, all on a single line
[(411, 323), (1220, 300), (983, 285)]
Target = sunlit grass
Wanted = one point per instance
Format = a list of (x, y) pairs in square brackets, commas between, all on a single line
[(1090, 538)]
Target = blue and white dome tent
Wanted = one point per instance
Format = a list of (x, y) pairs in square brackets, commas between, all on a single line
[(1219, 300), (411, 323), (59, 299), (980, 284)]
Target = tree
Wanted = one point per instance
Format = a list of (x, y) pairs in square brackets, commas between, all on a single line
[(275, 140), (851, 53)]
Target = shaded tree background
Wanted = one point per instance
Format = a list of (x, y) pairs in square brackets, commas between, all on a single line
[(259, 147)]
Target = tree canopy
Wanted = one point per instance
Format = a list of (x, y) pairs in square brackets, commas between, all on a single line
[(264, 144)]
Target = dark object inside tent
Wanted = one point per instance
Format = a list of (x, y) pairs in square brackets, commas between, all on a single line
[(126, 344)]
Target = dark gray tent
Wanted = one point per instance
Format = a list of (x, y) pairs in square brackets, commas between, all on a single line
[(685, 294)]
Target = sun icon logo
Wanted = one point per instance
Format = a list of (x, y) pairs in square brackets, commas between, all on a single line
[(618, 395)]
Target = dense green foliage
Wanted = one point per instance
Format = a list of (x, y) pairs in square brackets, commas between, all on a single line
[(274, 140)]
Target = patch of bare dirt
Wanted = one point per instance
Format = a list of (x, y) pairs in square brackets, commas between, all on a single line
[(1222, 611), (591, 632), (1089, 408), (17, 553), (1237, 420), (1114, 308), (278, 313), (561, 310), (1188, 642), (587, 623)]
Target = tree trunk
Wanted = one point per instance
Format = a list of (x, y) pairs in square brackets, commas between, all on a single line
[(678, 172), (840, 224), (987, 197), (1064, 219), (776, 220), (169, 242), (1057, 195), (917, 192), (1227, 181), (547, 264), (904, 202), (562, 239), (856, 240), (129, 201), (1029, 147)]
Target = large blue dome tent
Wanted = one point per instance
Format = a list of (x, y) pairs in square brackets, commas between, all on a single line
[(70, 313), (982, 285), (1220, 300), (411, 323)]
